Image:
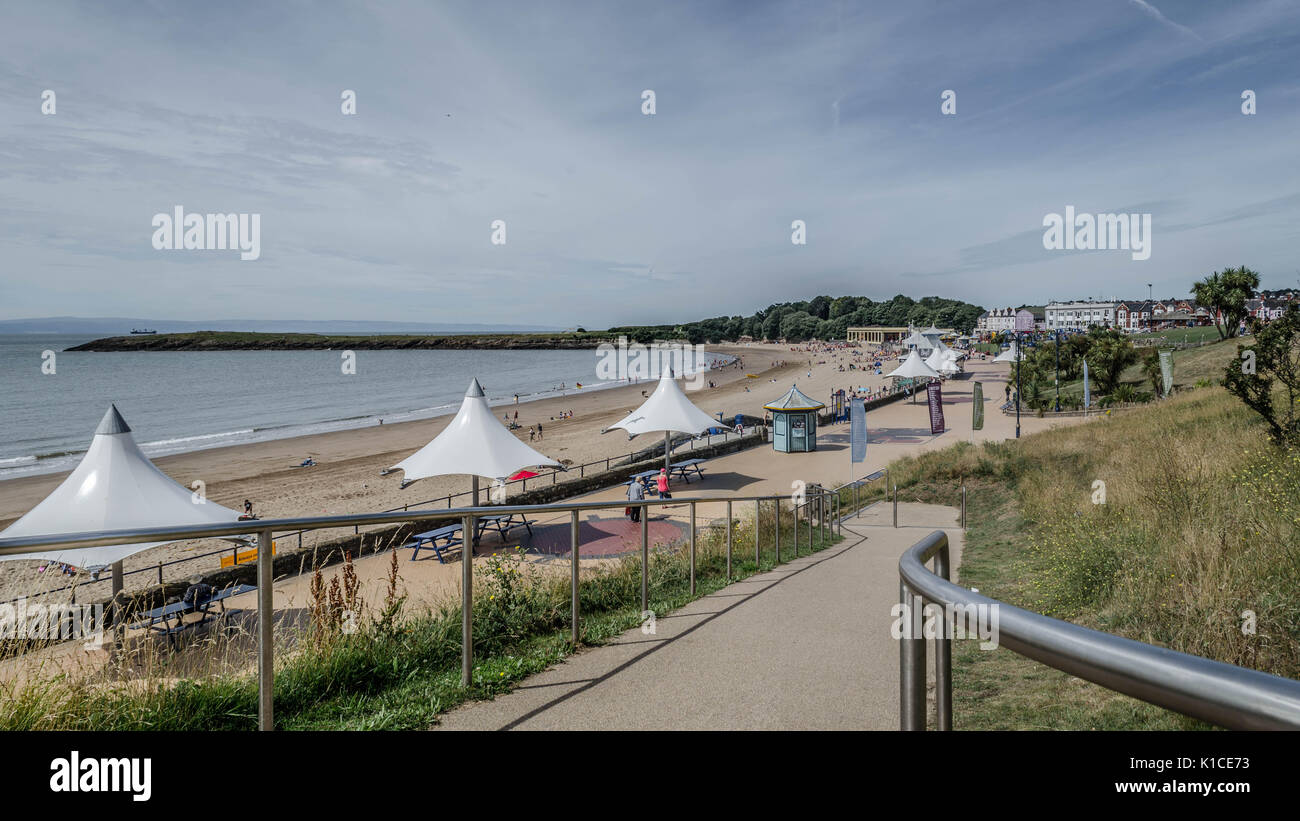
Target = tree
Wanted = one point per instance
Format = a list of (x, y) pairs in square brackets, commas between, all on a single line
[(798, 326), (1108, 356), (1151, 368), (1273, 360), (1225, 293)]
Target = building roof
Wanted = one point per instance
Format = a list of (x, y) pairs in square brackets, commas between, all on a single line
[(794, 400)]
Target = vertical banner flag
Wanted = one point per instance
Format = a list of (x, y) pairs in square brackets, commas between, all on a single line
[(1087, 394), (1167, 371), (935, 396), (977, 412), (858, 429)]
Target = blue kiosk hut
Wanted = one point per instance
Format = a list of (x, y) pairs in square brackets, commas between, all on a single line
[(794, 422)]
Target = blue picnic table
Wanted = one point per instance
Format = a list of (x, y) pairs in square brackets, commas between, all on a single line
[(151, 619), (448, 537)]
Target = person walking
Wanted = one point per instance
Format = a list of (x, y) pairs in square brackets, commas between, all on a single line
[(635, 494), (539, 430), (662, 483)]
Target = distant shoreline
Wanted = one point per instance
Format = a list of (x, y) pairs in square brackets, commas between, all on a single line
[(240, 341)]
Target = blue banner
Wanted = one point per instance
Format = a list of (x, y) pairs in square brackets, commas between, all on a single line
[(858, 429)]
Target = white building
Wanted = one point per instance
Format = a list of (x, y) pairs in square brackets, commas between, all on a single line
[(1079, 315), (998, 319)]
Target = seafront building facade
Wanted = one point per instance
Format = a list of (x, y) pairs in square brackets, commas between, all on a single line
[(1079, 315), (877, 334)]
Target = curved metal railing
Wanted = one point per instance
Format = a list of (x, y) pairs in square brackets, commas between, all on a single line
[(1222, 694)]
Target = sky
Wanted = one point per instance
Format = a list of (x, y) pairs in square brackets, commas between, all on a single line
[(532, 113)]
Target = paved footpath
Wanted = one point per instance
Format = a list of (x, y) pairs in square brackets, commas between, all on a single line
[(805, 646)]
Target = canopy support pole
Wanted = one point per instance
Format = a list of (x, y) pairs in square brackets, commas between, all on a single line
[(467, 596), (668, 443), (265, 635), (119, 632)]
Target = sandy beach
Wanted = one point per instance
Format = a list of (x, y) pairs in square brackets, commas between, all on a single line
[(346, 478)]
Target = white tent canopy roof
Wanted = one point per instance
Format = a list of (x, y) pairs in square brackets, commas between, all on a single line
[(114, 487), (1009, 355), (913, 368), (666, 410), (916, 340), (474, 443)]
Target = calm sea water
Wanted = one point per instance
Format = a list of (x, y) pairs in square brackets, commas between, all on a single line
[(183, 401)]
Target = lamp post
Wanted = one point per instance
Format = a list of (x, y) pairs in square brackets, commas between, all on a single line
[(1016, 336), (1058, 370)]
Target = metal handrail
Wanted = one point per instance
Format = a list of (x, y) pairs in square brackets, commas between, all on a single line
[(539, 479), (1222, 694), (266, 529)]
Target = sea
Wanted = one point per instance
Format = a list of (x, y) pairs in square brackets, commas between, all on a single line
[(51, 399)]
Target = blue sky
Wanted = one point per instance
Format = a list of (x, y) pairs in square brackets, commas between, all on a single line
[(469, 112)]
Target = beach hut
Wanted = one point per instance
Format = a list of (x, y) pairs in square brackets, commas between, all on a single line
[(667, 410), (474, 443), (794, 422), (114, 487)]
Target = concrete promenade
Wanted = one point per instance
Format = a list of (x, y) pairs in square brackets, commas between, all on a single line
[(805, 646)]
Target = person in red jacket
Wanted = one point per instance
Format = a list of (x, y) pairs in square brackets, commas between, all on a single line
[(663, 484)]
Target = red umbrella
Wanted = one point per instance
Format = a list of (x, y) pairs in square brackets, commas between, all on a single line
[(524, 474)]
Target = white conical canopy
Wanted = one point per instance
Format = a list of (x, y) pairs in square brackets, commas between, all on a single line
[(936, 360), (1009, 355), (932, 331), (113, 488), (916, 340), (666, 410), (475, 443), (913, 367)]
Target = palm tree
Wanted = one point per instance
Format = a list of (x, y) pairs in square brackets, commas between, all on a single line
[(1209, 292)]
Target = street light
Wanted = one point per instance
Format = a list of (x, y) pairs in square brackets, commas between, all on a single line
[(1017, 342), (1058, 370)]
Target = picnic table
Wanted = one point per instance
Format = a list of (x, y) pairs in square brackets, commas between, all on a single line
[(683, 468), (449, 536), (439, 539), (164, 616), (504, 523)]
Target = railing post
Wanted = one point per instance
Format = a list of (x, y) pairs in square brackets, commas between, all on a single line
[(265, 634), (645, 557), (963, 507), (911, 678), (692, 548), (895, 505), (728, 540), (778, 530), (758, 550), (794, 514), (466, 600), (943, 654), (573, 552)]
